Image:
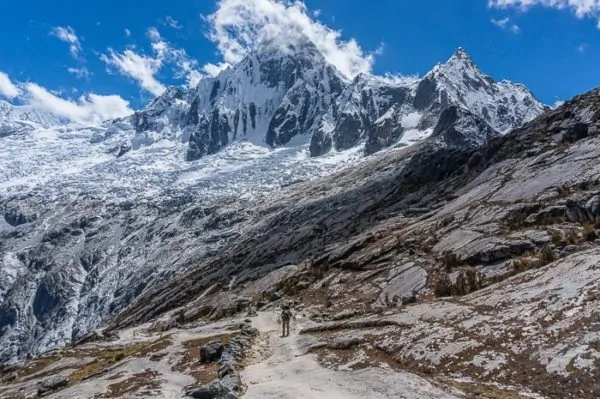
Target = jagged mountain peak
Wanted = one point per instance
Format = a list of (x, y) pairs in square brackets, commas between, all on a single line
[(461, 66), (295, 45), (461, 55)]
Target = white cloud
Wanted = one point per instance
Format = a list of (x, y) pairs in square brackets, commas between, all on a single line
[(215, 69), (238, 26), (317, 13), (138, 67), (581, 8), (143, 68), (153, 34), (68, 35), (505, 24), (582, 48), (172, 22), (558, 103), (81, 73), (88, 108), (7, 88), (193, 78), (127, 32)]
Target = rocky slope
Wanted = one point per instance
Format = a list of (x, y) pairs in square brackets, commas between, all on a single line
[(108, 226), (473, 268)]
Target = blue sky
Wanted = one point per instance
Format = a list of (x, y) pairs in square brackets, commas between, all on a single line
[(131, 49)]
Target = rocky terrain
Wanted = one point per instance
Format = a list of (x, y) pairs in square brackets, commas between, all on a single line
[(462, 265)]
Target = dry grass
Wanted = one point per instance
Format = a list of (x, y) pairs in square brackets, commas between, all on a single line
[(483, 391), (146, 381), (35, 367), (589, 232), (104, 358), (190, 362)]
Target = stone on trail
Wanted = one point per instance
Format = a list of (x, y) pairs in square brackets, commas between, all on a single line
[(211, 352)]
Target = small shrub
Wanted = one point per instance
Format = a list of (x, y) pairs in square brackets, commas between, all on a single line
[(442, 286), (525, 263), (450, 260), (556, 236), (589, 232), (546, 256), (573, 237)]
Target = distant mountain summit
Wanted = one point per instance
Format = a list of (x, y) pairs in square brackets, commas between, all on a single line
[(276, 94), (26, 114)]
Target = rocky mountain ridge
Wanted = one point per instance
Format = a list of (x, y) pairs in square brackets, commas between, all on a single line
[(272, 97)]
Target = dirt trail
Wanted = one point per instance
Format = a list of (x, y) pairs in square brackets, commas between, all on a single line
[(286, 371)]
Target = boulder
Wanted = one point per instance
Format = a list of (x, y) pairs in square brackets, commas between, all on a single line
[(213, 390), (52, 384), (583, 212), (211, 352)]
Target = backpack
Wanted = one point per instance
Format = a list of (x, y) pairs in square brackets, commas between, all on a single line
[(286, 314)]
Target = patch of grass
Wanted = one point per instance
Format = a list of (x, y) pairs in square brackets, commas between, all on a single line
[(36, 366), (483, 391), (104, 358), (449, 260), (190, 362), (525, 263), (589, 232), (546, 256), (146, 380), (556, 236), (573, 237)]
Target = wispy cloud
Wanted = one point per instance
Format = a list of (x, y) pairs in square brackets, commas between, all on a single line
[(505, 24), (143, 68), (172, 22), (581, 8), (127, 32), (7, 88), (81, 73), (68, 35), (238, 26)]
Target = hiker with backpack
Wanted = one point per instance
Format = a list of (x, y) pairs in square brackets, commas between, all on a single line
[(286, 316)]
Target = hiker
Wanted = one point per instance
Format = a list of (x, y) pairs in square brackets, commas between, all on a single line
[(286, 315)]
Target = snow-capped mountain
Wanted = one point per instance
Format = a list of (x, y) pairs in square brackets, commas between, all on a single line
[(95, 216), (379, 112), (26, 113), (275, 95), (270, 97), (15, 119)]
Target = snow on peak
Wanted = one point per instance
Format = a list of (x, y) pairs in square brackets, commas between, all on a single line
[(26, 114)]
